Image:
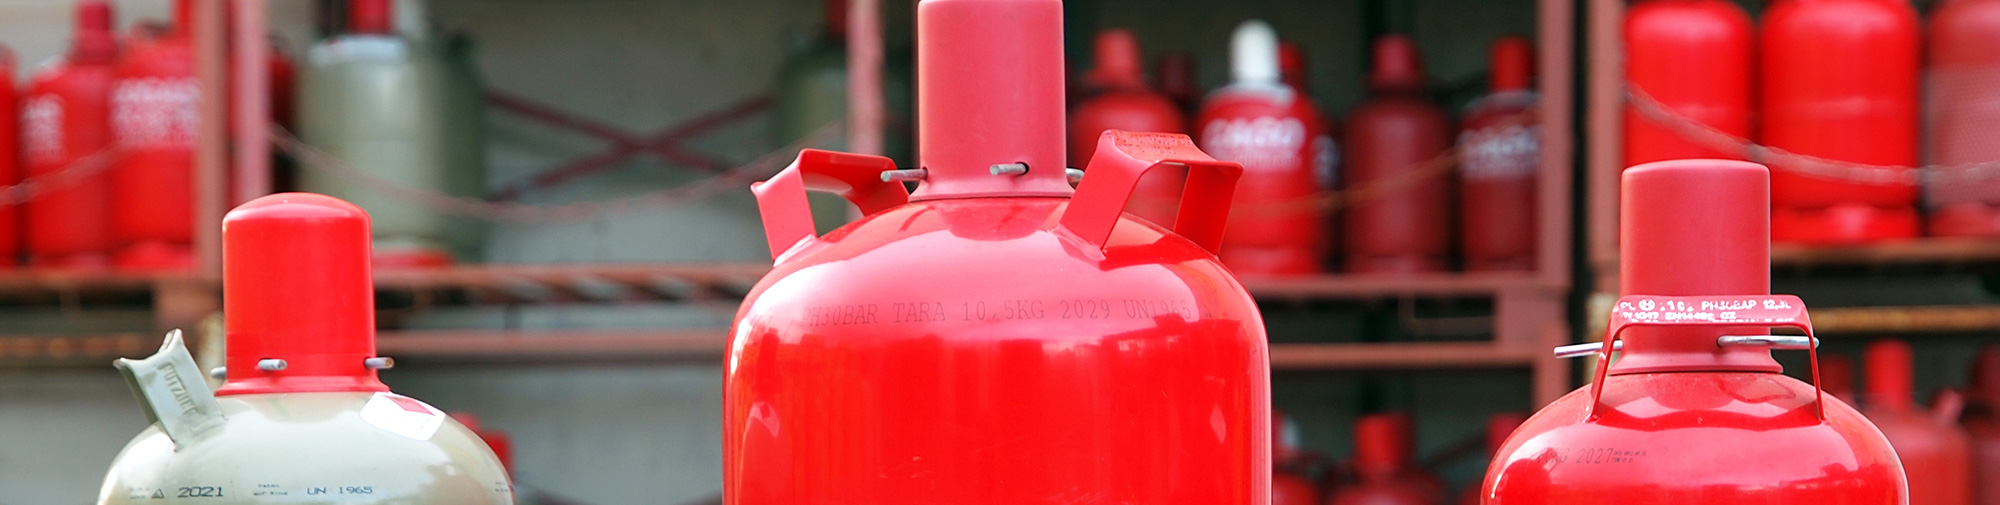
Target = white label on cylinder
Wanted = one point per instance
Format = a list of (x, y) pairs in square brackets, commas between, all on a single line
[(402, 415), (42, 128), (155, 112)]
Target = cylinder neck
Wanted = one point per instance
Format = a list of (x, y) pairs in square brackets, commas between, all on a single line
[(1292, 65), (990, 93), (1891, 384), (1382, 445), (835, 18), (1694, 228), (1117, 66), (95, 43), (1513, 64), (370, 17), (1397, 66), (298, 297), (183, 16)]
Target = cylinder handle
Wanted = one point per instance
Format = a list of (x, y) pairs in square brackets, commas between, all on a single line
[(860, 178), (1784, 311), (1122, 157)]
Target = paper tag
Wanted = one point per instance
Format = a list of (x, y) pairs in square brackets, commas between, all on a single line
[(402, 415)]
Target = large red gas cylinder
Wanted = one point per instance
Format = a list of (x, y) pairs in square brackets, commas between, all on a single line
[(1384, 471), (1840, 83), (997, 337), (1405, 227), (1934, 452), (66, 121), (1124, 103), (154, 122), (1696, 411), (1982, 422), (10, 156), (1694, 57), (1498, 428), (1963, 113), (1270, 128), (1501, 149)]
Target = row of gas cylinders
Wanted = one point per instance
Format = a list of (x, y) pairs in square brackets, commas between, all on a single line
[(107, 134), (1382, 471), (1376, 195), (1845, 81)]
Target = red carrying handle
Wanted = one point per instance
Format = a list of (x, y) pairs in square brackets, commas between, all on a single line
[(1122, 157), (1784, 311), (781, 200)]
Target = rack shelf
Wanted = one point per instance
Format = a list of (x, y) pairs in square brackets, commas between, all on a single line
[(1923, 251)]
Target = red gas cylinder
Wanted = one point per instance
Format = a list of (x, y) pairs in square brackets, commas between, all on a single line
[(1964, 111), (1836, 376), (155, 122), (1270, 128), (1694, 57), (10, 156), (997, 337), (1384, 472), (1498, 428), (1840, 83), (1696, 411), (1935, 453), (66, 120), (1404, 228), (1982, 422), (1124, 103), (1501, 148)]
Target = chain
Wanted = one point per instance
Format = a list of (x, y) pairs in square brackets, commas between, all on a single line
[(731, 180), (1706, 136), (69, 175)]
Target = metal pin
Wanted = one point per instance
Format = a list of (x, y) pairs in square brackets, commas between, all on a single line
[(271, 364), (379, 363), (1010, 169), (1792, 342), (906, 174), (1581, 350), (219, 373), (1075, 175)]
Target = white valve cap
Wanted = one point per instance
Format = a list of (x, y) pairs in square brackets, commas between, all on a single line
[(1253, 53)]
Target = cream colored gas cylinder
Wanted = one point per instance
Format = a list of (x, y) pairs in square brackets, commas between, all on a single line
[(301, 417)]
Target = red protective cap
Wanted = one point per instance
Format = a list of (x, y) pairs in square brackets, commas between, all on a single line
[(1501, 426), (990, 92), (374, 17), (1382, 444), (1397, 64), (95, 43), (1836, 375), (1694, 228), (296, 287), (1513, 64), (1292, 64), (1117, 61), (1890, 383)]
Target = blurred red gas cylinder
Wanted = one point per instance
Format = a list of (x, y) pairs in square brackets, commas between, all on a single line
[(1271, 129), (1963, 113), (154, 121), (1384, 471), (10, 156), (1696, 411), (1497, 429), (1124, 103), (1982, 422), (1290, 484), (1405, 228), (1836, 376), (1840, 83), (1177, 80), (1501, 150), (1694, 57), (66, 119), (1935, 454), (997, 337)]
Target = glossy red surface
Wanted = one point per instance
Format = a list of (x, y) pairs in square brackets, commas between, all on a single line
[(1840, 82), (1498, 428), (153, 119), (1963, 76), (10, 157), (1407, 229), (1280, 138), (1982, 423), (66, 117), (1124, 103), (296, 286), (1501, 153), (1935, 453), (990, 91), (1680, 420), (1694, 56)]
